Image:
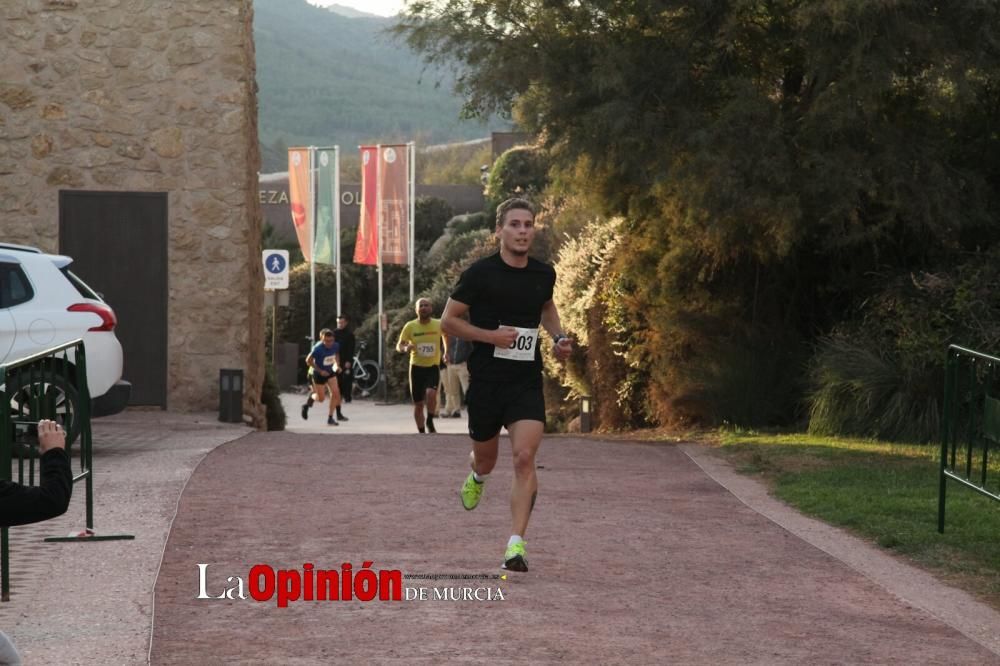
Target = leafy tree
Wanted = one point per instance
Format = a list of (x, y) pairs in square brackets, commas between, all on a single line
[(519, 172), (768, 157)]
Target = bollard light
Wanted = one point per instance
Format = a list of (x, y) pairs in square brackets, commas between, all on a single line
[(585, 413), (230, 396)]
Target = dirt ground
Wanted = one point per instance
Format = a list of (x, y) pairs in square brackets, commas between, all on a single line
[(636, 556)]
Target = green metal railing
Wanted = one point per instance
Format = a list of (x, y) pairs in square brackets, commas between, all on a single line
[(970, 425), (49, 385)]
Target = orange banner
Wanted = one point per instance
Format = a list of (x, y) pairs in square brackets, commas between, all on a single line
[(394, 203), (366, 247), (299, 185)]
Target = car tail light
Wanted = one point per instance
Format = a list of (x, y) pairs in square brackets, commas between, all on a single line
[(107, 315)]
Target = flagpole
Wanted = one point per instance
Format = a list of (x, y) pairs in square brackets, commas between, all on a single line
[(411, 148), (312, 244), (378, 244), (336, 220)]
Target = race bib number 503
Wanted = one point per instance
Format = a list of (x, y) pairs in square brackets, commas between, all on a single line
[(523, 348)]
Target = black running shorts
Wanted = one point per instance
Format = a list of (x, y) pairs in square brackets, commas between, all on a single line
[(492, 405), (421, 379), (320, 379)]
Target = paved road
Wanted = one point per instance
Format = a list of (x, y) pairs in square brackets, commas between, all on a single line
[(366, 417), (639, 556), (636, 556)]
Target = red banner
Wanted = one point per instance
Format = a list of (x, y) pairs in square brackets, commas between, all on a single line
[(366, 247), (299, 185), (394, 203)]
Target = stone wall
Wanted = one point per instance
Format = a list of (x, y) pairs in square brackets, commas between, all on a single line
[(149, 96)]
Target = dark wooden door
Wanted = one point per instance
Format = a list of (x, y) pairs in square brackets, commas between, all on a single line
[(118, 241)]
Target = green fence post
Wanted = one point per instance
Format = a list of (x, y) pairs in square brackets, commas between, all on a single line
[(6, 444), (946, 416)]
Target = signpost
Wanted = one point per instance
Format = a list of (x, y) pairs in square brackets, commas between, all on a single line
[(275, 290), (275, 269)]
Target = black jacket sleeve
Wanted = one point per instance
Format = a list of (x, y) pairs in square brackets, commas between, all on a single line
[(20, 505), (346, 340)]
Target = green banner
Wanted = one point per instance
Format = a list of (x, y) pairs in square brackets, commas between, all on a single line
[(327, 247)]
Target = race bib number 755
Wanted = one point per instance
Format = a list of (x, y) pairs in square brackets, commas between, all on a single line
[(523, 348)]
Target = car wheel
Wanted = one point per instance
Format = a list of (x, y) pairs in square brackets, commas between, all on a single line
[(33, 397)]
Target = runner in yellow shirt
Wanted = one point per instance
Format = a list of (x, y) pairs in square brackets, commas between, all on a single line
[(421, 338)]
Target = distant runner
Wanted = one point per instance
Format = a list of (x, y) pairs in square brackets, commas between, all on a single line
[(421, 339), (324, 362)]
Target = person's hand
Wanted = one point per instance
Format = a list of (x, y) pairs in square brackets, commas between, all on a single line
[(563, 348), (50, 435), (504, 337)]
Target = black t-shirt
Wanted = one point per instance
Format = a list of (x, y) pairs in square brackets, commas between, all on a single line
[(498, 294), (345, 339)]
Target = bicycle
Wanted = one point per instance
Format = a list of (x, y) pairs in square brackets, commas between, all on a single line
[(366, 374)]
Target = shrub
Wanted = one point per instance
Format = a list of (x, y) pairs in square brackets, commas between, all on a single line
[(521, 172), (882, 374), (581, 261), (270, 396), (430, 215), (461, 224)]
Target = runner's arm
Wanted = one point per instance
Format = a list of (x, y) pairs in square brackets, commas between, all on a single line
[(403, 344), (550, 319), (562, 343), (453, 323)]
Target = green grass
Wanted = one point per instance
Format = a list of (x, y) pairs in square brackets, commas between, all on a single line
[(885, 492)]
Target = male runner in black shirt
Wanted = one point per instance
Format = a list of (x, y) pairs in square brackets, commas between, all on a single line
[(507, 296)]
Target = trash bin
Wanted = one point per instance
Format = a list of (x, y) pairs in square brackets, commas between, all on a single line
[(230, 396)]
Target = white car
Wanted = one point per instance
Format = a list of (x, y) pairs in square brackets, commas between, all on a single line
[(44, 305)]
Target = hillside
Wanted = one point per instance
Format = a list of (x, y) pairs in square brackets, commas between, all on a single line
[(325, 78)]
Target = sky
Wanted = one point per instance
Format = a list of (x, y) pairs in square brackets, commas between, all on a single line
[(380, 7)]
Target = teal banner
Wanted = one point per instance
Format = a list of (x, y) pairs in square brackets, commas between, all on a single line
[(327, 245)]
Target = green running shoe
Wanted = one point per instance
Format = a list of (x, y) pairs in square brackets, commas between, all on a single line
[(472, 490), (514, 558)]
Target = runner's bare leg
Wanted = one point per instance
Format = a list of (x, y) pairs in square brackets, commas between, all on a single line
[(525, 438), (485, 455), (432, 402)]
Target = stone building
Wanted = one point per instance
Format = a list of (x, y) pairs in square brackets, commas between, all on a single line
[(128, 140)]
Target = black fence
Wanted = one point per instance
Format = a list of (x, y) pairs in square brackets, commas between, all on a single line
[(970, 430)]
